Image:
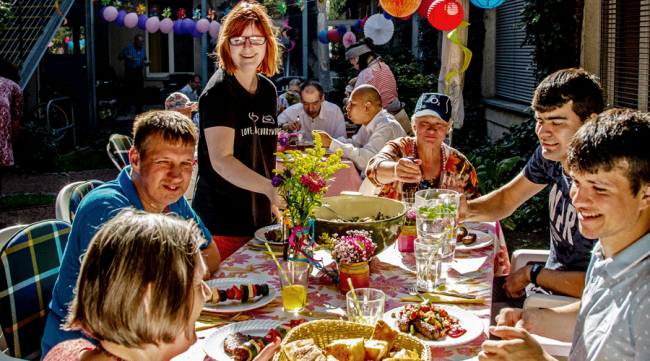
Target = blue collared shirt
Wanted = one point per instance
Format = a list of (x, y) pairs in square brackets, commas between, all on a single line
[(614, 318), (139, 56)]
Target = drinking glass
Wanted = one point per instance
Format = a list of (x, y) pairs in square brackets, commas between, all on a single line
[(294, 295), (371, 306), (428, 263), (437, 219)]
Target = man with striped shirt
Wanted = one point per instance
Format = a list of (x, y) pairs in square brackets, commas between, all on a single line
[(135, 60)]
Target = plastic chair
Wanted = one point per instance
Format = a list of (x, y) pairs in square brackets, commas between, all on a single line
[(77, 194), (62, 204), (8, 232), (30, 266), (118, 148)]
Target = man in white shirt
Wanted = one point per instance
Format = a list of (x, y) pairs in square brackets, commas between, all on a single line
[(191, 89), (313, 113), (378, 127)]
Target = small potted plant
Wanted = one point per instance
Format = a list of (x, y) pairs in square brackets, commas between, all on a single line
[(353, 252)]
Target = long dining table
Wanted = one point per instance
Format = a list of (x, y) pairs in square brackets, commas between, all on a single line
[(391, 271)]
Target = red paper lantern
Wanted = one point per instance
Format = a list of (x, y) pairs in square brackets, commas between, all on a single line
[(445, 14), (423, 9), (400, 8), (333, 36)]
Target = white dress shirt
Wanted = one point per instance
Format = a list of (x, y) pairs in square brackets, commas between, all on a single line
[(329, 120), (370, 139), (193, 95)]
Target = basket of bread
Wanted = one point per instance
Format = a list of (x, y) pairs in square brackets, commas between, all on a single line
[(330, 340)]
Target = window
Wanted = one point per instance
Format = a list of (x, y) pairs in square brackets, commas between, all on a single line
[(514, 67), (68, 40), (625, 64), (170, 53)]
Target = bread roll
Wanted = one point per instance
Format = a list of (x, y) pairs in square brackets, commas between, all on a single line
[(304, 350), (347, 350), (405, 355), (383, 332), (376, 350)]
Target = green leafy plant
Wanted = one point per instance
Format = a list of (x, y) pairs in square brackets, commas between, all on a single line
[(5, 16)]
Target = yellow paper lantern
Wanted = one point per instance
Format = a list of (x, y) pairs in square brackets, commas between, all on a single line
[(400, 8)]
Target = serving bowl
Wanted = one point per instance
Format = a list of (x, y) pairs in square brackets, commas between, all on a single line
[(384, 232)]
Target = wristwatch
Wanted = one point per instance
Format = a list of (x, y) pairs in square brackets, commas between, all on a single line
[(534, 272)]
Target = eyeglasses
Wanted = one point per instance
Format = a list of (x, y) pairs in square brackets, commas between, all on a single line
[(240, 40)]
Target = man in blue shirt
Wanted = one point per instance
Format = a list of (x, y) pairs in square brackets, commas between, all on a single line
[(135, 59), (610, 166), (161, 161)]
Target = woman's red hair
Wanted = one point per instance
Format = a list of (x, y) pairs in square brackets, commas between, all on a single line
[(245, 13)]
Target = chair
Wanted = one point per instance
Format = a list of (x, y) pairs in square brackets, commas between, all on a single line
[(77, 194), (118, 149), (62, 204), (30, 265), (8, 232)]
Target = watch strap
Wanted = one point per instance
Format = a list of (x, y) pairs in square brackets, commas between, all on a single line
[(534, 272)]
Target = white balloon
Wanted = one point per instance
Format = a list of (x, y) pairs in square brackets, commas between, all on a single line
[(215, 27), (203, 25)]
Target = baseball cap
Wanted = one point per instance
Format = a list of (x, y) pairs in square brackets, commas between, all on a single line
[(438, 105)]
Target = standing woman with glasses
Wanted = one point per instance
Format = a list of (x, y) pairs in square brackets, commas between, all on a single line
[(239, 131)]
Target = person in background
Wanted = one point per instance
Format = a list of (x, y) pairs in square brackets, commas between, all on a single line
[(563, 102), (424, 159), (135, 59), (192, 88), (610, 166), (373, 71), (11, 112), (313, 113), (139, 292), (239, 131), (289, 97), (377, 128), (160, 167)]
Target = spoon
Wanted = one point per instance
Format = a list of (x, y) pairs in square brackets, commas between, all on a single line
[(327, 206)]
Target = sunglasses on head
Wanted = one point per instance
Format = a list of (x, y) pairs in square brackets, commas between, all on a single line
[(240, 40)]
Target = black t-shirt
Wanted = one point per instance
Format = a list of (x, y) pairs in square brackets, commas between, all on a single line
[(226, 209)]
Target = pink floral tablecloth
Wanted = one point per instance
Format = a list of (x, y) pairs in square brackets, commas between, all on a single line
[(390, 272)]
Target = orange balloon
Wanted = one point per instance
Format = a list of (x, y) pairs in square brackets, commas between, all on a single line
[(400, 8)]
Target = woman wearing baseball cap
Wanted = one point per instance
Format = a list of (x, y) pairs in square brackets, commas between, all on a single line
[(424, 159)]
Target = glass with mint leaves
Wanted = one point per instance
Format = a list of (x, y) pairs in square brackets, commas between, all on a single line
[(437, 219)]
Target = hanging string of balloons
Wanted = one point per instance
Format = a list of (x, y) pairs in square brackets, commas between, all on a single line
[(123, 15)]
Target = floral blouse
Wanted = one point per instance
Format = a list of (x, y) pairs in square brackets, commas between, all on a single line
[(11, 108), (457, 173)]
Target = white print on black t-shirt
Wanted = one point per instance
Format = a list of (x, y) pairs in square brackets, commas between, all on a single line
[(252, 116), (268, 119), (259, 131), (567, 219)]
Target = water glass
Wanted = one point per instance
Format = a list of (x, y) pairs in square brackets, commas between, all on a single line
[(437, 218), (371, 306), (428, 262), (294, 293)]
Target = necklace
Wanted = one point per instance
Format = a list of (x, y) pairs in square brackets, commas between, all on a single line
[(428, 183), (110, 355)]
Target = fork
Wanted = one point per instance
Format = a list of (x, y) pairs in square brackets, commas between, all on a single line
[(413, 291)]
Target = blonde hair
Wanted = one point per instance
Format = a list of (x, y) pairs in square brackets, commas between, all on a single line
[(131, 254), (172, 126), (238, 19)]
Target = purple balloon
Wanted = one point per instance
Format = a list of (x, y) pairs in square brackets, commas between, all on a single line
[(166, 25), (203, 25), (214, 29), (178, 29), (131, 20), (142, 22), (153, 24), (110, 13), (187, 25), (120, 18), (195, 33), (101, 11), (341, 29)]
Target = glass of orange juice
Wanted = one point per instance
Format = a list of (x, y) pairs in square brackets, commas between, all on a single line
[(294, 293)]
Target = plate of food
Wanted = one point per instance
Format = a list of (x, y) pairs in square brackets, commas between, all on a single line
[(467, 239), (235, 338), (271, 234), (238, 294), (459, 326)]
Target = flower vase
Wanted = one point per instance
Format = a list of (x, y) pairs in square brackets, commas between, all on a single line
[(406, 238), (280, 148), (302, 241), (358, 272)]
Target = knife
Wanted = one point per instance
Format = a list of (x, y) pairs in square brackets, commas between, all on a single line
[(454, 294)]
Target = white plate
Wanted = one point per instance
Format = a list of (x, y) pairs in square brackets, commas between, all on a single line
[(482, 240), (213, 345), (466, 320), (259, 234), (232, 306)]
